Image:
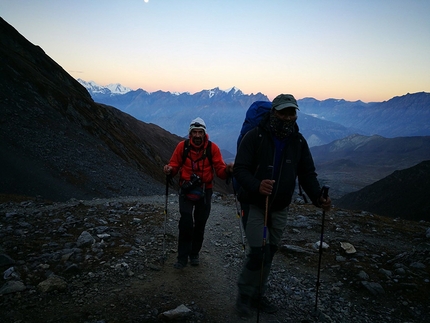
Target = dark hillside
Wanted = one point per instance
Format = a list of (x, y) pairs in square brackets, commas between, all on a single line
[(57, 143), (403, 194)]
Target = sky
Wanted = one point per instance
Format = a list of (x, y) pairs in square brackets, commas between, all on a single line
[(368, 50)]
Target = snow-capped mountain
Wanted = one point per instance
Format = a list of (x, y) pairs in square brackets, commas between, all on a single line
[(231, 91), (110, 89), (117, 89)]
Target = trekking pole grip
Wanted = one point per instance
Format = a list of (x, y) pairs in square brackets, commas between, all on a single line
[(228, 180), (324, 191)]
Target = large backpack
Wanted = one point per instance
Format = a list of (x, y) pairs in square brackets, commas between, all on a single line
[(253, 116), (255, 113)]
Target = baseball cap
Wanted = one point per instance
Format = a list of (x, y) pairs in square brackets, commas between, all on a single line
[(283, 101)]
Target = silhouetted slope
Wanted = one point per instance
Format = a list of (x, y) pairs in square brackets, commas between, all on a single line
[(404, 194), (58, 143)]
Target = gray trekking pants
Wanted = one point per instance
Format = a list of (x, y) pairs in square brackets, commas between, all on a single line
[(257, 256)]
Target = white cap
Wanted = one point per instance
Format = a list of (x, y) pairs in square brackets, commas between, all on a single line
[(197, 123)]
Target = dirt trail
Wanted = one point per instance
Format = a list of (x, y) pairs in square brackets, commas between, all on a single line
[(211, 285)]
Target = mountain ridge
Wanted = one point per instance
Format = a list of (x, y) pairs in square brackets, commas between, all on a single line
[(321, 122), (174, 112), (399, 116)]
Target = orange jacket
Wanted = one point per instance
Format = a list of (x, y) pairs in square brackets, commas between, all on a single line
[(193, 164)]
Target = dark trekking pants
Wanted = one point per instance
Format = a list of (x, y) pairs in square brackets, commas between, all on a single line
[(257, 257), (192, 223)]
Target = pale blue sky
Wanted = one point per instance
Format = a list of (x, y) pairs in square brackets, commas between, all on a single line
[(355, 50)]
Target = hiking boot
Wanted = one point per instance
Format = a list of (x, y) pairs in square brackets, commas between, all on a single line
[(264, 304), (243, 306), (180, 265), (194, 260)]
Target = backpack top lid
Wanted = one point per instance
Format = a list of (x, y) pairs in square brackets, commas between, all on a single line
[(253, 117)]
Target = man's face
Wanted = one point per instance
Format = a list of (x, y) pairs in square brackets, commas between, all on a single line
[(197, 136), (287, 114)]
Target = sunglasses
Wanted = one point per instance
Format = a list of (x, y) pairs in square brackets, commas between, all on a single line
[(198, 125)]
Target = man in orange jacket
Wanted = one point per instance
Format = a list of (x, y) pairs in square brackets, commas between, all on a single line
[(196, 160)]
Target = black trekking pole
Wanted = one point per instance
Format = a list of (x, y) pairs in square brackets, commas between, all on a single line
[(240, 221), (324, 194), (164, 255), (266, 215), (262, 261)]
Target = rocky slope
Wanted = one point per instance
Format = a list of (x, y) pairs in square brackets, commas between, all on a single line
[(102, 261)]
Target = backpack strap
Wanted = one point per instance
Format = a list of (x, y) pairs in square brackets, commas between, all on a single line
[(259, 144), (301, 193), (207, 153), (187, 148)]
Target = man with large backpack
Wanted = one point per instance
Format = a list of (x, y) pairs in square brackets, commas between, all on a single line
[(253, 116), (269, 160), (196, 160)]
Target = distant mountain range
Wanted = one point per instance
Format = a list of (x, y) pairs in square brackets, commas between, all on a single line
[(222, 111), (321, 122), (401, 116)]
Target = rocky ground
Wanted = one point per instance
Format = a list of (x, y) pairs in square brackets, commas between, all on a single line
[(102, 261)]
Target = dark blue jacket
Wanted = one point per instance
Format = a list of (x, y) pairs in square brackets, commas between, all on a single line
[(256, 154)]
